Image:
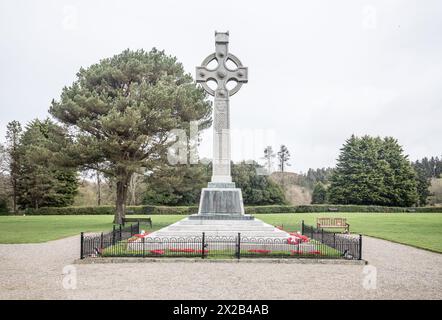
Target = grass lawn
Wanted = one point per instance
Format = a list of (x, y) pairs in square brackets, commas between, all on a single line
[(422, 230), (19, 229)]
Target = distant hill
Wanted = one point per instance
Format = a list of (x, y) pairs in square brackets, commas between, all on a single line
[(435, 198), (294, 187)]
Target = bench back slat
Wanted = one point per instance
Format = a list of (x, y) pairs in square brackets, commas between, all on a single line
[(332, 222)]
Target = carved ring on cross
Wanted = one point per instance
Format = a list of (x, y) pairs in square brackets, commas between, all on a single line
[(222, 74)]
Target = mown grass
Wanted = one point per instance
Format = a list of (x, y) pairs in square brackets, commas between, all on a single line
[(33, 229), (423, 230)]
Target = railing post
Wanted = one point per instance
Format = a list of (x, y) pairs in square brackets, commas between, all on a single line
[(302, 227), (143, 241), (120, 233), (360, 247), (138, 227), (238, 248), (81, 245), (322, 235), (203, 245), (113, 235), (334, 239), (101, 242)]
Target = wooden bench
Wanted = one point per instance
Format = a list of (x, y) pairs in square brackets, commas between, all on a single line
[(139, 220), (322, 223)]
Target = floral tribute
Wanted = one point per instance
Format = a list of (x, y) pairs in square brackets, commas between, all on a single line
[(157, 252), (297, 238), (262, 251), (182, 250), (139, 236), (295, 252)]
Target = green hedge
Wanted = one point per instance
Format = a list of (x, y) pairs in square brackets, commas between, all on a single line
[(155, 210), (111, 210), (337, 208)]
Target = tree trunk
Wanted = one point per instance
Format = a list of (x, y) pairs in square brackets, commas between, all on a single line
[(14, 195), (133, 189), (14, 205), (122, 187), (98, 188)]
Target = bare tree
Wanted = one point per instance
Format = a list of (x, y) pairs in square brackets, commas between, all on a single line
[(268, 156)]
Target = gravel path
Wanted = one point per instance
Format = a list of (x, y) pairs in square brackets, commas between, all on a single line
[(35, 271)]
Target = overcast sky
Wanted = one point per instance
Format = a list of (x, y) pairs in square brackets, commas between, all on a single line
[(319, 71)]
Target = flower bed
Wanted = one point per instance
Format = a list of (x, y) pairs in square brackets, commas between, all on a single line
[(157, 252), (261, 251), (181, 250), (298, 252)]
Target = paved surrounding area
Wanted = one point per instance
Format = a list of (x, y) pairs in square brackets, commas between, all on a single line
[(35, 271)]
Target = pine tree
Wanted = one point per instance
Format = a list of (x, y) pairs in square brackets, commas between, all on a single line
[(373, 171), (41, 181), (400, 181), (122, 111), (4, 181), (423, 183), (319, 195), (283, 157), (13, 135)]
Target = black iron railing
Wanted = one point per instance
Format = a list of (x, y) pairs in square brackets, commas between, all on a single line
[(95, 244), (350, 245), (311, 243)]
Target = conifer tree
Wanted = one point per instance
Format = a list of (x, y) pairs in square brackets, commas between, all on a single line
[(42, 181), (373, 171), (319, 195), (13, 133), (121, 112), (283, 157)]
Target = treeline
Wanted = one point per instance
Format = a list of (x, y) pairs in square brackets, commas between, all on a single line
[(33, 174), (116, 122), (375, 171), (181, 184)]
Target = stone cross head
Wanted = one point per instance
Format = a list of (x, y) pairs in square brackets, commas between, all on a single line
[(221, 74)]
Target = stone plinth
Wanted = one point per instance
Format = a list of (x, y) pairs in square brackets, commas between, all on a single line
[(221, 201)]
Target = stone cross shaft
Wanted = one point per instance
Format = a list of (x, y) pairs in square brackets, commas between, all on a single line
[(221, 119)]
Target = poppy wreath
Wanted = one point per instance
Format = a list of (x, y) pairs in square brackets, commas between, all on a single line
[(294, 252), (259, 251), (300, 236), (293, 240), (182, 250), (157, 252)]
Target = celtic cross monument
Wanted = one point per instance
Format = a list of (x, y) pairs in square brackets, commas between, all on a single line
[(221, 208), (221, 199)]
